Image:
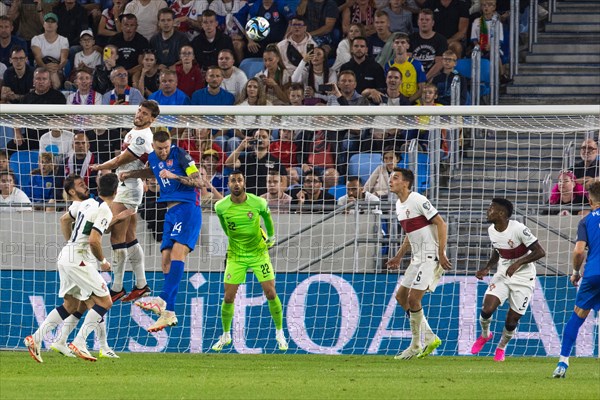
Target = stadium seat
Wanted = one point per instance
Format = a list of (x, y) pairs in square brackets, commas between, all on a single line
[(463, 66), (252, 66), (422, 183), (363, 165), (22, 163)]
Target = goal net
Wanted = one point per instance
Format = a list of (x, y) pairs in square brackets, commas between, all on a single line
[(330, 257)]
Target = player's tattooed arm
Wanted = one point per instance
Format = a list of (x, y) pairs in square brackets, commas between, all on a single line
[(193, 180), (138, 173)]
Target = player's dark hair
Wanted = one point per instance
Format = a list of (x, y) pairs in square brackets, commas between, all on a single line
[(506, 204), (107, 185), (353, 178), (594, 192), (70, 182), (152, 106), (237, 172), (161, 136), (407, 175)]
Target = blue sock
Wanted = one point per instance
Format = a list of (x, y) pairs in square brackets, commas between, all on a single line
[(172, 283), (164, 294), (570, 334)]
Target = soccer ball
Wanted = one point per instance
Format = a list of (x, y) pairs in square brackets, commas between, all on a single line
[(257, 28)]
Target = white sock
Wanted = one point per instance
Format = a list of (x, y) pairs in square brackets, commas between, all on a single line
[(416, 321), (506, 336), (101, 332), (279, 332), (52, 321), (564, 359), (119, 256), (427, 331), (69, 325), (135, 255), (485, 326), (91, 323)]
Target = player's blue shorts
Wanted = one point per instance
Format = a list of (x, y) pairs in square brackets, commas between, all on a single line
[(588, 296), (182, 225)]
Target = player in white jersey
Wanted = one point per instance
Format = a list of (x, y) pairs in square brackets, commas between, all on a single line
[(80, 280), (515, 249), (136, 147), (426, 237)]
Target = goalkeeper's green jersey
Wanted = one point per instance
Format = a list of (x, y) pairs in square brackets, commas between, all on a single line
[(241, 223)]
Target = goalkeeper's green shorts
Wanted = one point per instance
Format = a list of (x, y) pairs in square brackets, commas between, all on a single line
[(237, 267)]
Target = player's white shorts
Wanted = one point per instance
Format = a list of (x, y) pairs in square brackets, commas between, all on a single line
[(518, 291), (79, 276), (423, 275), (130, 195)]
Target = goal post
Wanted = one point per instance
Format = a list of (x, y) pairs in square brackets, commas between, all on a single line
[(337, 294)]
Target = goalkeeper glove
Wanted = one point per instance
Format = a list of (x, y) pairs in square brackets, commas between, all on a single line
[(270, 241)]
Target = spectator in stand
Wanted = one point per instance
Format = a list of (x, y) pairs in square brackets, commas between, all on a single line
[(27, 16), (321, 16), (588, 169), (317, 150), (187, 16), (278, 13), (211, 161), (413, 74), (58, 142), (209, 195), (72, 20), (88, 58), (8, 41), (284, 149), (110, 21), (212, 94), (197, 141), (313, 72), (42, 93), (296, 94), (146, 12), (368, 73), (167, 41), (274, 76), (343, 55), (481, 35), (277, 200), (253, 94), (361, 12), (234, 79), (105, 143), (80, 160), (46, 182), (382, 36), (129, 43), (295, 46), (151, 210), (311, 197), (443, 80), (51, 50), (4, 163), (231, 18), (451, 21), (147, 79), (428, 98), (427, 45), (189, 76), (101, 81), (10, 194), (122, 94), (331, 183), (569, 195), (378, 182), (256, 162), (400, 16), (293, 179), (168, 94), (355, 192), (18, 79), (210, 41)]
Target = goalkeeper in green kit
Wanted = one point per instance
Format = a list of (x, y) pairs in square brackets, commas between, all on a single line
[(239, 214)]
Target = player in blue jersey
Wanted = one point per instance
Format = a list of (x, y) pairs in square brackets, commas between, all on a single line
[(588, 296), (179, 182)]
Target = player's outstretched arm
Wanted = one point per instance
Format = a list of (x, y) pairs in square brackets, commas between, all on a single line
[(124, 158), (138, 173), (442, 231), (537, 252), (66, 225), (95, 241), (192, 180), (394, 262), (483, 272)]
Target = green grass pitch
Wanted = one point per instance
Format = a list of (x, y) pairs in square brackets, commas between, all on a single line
[(234, 376)]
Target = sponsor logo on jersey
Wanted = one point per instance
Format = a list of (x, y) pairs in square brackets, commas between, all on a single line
[(526, 232), (161, 165), (139, 141), (169, 163), (426, 205), (511, 243), (407, 213), (250, 214)]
